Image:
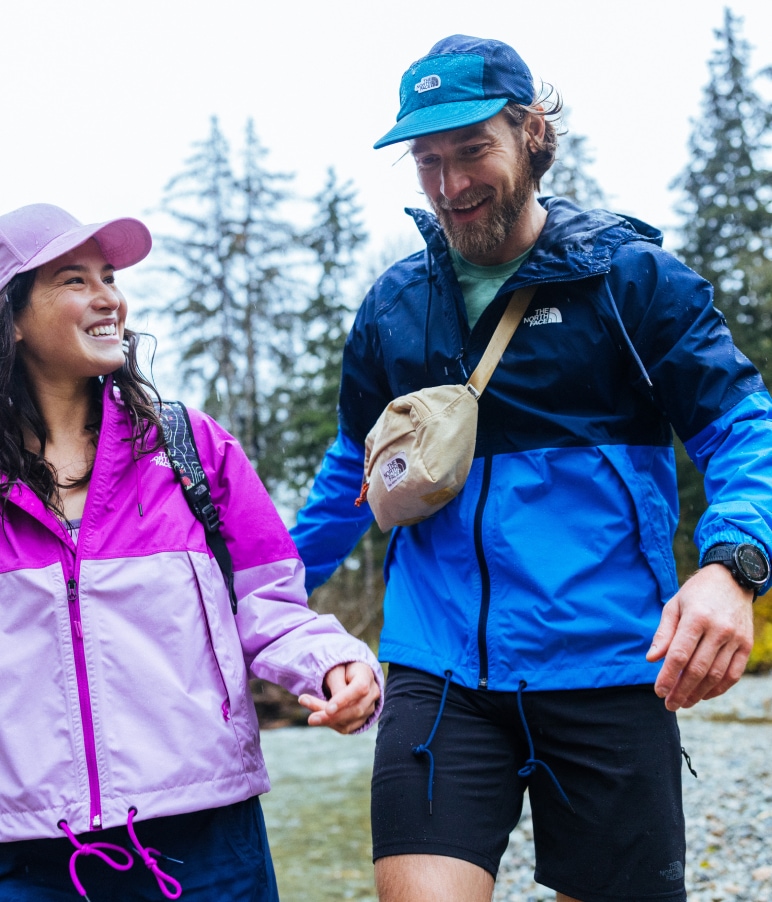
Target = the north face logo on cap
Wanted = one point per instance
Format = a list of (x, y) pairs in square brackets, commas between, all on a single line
[(428, 83)]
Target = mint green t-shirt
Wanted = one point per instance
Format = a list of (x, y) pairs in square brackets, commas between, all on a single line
[(479, 284)]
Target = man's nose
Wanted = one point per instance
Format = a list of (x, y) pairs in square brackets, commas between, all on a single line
[(453, 180)]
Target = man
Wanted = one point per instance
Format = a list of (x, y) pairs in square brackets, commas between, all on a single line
[(534, 625)]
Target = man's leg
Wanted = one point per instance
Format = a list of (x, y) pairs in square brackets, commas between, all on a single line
[(442, 816), (431, 878)]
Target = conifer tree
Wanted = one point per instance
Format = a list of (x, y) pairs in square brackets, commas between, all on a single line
[(727, 194), (570, 174), (726, 208), (303, 406), (234, 255)]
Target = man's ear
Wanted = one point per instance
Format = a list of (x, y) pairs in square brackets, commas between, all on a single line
[(534, 127)]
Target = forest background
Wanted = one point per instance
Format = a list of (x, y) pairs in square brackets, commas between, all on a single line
[(260, 278)]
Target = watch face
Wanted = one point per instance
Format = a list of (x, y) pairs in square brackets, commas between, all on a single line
[(752, 563)]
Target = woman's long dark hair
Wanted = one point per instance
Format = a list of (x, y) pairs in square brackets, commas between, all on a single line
[(19, 412)]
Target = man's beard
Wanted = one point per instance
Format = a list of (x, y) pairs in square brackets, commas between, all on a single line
[(478, 239)]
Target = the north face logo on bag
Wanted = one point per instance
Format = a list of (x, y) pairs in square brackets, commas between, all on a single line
[(394, 470)]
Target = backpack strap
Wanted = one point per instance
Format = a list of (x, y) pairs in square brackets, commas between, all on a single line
[(183, 455)]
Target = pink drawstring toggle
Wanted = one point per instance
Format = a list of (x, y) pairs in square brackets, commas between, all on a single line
[(95, 848), (170, 887)]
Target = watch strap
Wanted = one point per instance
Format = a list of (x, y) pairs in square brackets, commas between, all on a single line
[(723, 553)]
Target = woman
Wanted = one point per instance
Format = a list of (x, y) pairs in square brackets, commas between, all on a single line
[(126, 722)]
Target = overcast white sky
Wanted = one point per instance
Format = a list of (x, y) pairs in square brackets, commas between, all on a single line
[(100, 100)]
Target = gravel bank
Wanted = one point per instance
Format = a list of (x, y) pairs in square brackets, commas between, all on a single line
[(728, 808)]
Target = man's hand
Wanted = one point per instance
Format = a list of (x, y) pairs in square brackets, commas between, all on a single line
[(354, 694), (705, 636)]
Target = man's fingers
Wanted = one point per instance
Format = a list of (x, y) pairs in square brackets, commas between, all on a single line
[(665, 631)]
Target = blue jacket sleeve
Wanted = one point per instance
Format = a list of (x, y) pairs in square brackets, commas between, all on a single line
[(330, 524), (734, 454), (710, 392)]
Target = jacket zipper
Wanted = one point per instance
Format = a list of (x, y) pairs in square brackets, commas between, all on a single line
[(84, 699), (485, 577)]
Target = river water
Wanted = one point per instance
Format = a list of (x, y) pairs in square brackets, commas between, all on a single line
[(318, 813)]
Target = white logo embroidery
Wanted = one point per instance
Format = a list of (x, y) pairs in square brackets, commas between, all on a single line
[(394, 470), (428, 83), (162, 460), (544, 315)]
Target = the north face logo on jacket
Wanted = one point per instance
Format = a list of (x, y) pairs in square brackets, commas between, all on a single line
[(544, 315)]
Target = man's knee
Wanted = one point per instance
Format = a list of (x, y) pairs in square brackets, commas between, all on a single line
[(431, 878)]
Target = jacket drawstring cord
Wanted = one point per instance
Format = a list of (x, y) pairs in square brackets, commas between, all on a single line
[(431, 278), (531, 764), (423, 748), (171, 888), (95, 848)]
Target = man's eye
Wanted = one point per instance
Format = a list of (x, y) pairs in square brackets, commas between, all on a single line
[(110, 280), (75, 280), (473, 149)]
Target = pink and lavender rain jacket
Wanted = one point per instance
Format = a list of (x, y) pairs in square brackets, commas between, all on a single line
[(124, 672)]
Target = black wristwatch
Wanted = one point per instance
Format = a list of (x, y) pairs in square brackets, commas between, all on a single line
[(747, 563)]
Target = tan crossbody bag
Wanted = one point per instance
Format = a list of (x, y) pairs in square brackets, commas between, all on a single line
[(419, 452)]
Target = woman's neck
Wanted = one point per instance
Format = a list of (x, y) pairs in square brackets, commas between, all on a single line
[(70, 446)]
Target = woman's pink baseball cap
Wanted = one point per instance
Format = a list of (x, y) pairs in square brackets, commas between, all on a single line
[(39, 233)]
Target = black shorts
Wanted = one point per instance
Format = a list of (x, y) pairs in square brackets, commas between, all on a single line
[(603, 778)]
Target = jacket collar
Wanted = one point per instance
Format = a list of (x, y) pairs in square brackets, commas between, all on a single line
[(573, 244)]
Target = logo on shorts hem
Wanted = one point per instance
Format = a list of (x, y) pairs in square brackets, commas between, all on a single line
[(674, 871)]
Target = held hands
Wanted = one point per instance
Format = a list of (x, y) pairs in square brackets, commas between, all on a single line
[(705, 636), (354, 694)]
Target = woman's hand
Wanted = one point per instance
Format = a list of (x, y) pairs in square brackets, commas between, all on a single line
[(354, 694)]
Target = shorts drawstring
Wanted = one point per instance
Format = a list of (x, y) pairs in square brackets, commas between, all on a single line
[(530, 765), (423, 748), (688, 761), (95, 848), (170, 887)]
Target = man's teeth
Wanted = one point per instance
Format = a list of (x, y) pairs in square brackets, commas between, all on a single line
[(102, 330), (469, 206)]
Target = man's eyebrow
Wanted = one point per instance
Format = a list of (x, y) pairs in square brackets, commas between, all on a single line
[(78, 267), (460, 136)]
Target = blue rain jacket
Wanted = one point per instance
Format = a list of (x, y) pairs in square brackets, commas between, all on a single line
[(554, 562)]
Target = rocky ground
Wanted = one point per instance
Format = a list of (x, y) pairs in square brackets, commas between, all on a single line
[(728, 807)]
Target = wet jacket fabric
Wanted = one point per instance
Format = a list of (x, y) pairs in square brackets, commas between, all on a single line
[(124, 671), (554, 562)]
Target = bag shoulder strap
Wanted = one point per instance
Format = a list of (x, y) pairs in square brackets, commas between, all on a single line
[(183, 455), (510, 320)]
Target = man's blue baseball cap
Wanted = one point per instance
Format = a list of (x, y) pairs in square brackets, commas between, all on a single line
[(462, 80)]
